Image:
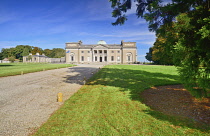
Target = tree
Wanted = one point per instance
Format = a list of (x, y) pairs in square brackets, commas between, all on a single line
[(47, 52), (149, 54), (12, 58), (163, 47), (8, 52), (153, 11), (57, 53), (188, 22), (25, 52), (193, 51), (36, 50), (1, 56)]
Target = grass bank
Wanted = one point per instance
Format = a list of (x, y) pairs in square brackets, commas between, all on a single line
[(110, 104), (10, 69)]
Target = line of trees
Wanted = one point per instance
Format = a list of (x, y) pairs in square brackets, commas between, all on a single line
[(23, 50), (183, 37)]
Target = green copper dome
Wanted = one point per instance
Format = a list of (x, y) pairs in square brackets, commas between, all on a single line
[(101, 42)]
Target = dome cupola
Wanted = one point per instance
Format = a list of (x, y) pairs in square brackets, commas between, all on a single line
[(101, 42)]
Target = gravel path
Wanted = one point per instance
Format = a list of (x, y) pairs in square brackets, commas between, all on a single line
[(27, 101)]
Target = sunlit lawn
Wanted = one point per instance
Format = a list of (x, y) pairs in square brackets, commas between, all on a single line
[(10, 69), (110, 104)]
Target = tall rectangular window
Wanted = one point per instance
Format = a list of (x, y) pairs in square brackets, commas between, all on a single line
[(105, 58), (112, 58), (95, 58), (129, 58), (72, 58), (82, 58), (118, 58)]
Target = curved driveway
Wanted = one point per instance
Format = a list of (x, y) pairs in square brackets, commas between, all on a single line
[(27, 101)]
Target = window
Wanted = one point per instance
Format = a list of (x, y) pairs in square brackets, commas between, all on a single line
[(82, 51), (112, 58), (105, 58), (118, 51), (88, 51), (112, 51), (95, 58), (72, 58), (105, 51), (82, 58), (129, 58), (88, 58), (95, 51), (100, 51), (118, 58)]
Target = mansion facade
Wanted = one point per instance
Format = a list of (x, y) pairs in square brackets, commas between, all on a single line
[(79, 53)]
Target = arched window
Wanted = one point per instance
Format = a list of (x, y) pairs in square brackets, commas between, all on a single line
[(72, 57), (129, 57)]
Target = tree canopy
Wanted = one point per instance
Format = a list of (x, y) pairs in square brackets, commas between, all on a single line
[(23, 50)]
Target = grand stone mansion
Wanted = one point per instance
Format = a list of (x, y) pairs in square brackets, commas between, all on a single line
[(124, 53)]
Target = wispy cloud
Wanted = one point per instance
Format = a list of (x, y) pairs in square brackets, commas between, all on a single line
[(150, 43), (140, 22), (128, 33)]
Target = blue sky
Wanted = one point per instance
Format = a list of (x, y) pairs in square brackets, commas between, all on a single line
[(52, 23)]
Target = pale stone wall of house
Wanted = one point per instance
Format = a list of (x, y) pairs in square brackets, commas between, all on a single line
[(114, 54), (131, 53), (129, 49), (74, 53), (43, 59)]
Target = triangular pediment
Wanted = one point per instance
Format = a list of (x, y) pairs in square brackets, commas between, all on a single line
[(100, 46)]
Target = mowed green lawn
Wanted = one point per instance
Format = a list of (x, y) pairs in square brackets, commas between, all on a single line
[(111, 104), (10, 69)]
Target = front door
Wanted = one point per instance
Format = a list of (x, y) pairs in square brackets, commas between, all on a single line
[(100, 59)]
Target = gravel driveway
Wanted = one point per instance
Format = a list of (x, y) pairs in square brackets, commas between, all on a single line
[(27, 101)]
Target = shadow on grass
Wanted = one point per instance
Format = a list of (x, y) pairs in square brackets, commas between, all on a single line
[(137, 80), (6, 65), (134, 81)]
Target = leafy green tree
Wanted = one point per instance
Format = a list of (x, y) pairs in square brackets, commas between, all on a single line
[(149, 54), (188, 21), (47, 52), (8, 52), (57, 53), (193, 51), (25, 52), (36, 50), (1, 56), (154, 11), (12, 58)]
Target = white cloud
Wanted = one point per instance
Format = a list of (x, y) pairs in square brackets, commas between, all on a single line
[(129, 33), (140, 22), (147, 42)]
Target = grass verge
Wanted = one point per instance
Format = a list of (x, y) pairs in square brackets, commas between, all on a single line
[(110, 104), (10, 69)]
